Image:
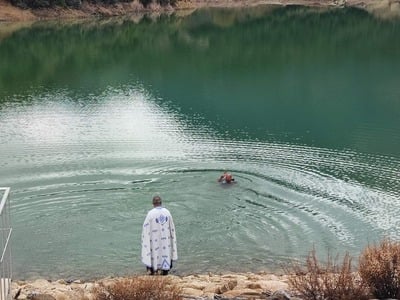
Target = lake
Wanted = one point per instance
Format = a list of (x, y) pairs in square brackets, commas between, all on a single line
[(302, 105)]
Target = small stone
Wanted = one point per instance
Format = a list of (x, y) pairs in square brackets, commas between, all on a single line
[(254, 286), (192, 292), (279, 295), (35, 296)]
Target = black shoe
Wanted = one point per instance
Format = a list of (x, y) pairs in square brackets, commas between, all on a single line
[(149, 271)]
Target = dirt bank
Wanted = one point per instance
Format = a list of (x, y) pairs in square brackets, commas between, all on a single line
[(9, 13)]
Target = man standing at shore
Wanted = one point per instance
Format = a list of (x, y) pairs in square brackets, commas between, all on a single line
[(158, 239)]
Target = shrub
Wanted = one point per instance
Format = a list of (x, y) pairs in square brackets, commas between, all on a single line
[(139, 288), (329, 281), (379, 267), (145, 3)]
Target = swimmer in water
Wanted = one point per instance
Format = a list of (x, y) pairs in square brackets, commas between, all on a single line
[(226, 178)]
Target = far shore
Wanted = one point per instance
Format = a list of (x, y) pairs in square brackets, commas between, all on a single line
[(9, 13)]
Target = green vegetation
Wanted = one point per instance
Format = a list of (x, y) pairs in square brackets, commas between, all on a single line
[(378, 275)]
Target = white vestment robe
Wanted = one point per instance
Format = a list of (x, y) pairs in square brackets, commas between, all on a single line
[(159, 239)]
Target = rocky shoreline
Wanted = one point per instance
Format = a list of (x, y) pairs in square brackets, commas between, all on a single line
[(239, 286)]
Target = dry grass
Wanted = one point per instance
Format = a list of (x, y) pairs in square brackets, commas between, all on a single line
[(139, 288), (328, 281), (379, 267)]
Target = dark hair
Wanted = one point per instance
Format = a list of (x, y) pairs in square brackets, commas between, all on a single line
[(156, 200)]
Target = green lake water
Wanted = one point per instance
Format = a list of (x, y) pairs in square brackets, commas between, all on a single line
[(97, 116)]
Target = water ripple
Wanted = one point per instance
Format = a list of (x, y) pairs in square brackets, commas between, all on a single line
[(82, 179)]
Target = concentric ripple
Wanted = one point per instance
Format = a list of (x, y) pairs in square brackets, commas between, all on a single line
[(82, 176)]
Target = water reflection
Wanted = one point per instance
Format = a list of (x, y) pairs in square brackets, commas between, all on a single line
[(325, 78), (97, 117)]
